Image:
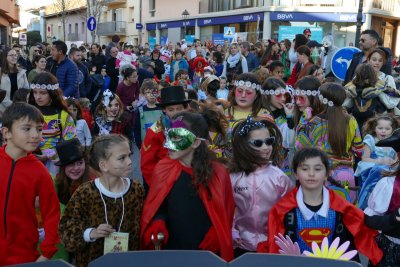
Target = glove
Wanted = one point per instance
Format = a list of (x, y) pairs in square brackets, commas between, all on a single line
[(157, 226), (210, 241), (286, 245)]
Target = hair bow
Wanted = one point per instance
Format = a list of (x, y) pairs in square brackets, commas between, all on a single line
[(249, 125), (108, 96)]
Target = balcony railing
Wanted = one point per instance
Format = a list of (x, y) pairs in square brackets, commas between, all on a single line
[(111, 28), (73, 37), (113, 2), (387, 5)]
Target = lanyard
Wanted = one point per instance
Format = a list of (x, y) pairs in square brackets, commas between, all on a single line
[(123, 207)]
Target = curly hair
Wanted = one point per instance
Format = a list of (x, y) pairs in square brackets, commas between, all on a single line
[(370, 125)]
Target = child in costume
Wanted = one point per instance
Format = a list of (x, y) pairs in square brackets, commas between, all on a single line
[(59, 125), (22, 178), (173, 100), (126, 57), (223, 91), (383, 211), (110, 117), (278, 99), (322, 131), (148, 114), (82, 129), (190, 199), (106, 210), (375, 159), (312, 212), (257, 183)]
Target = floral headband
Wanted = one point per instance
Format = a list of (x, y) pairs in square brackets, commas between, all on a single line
[(44, 86), (287, 89), (247, 84), (249, 125), (108, 96), (324, 100)]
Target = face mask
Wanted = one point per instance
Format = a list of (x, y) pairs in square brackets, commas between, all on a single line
[(178, 139)]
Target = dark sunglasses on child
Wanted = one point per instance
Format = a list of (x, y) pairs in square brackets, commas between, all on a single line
[(259, 142)]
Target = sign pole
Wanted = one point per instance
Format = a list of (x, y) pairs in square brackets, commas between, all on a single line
[(359, 23)]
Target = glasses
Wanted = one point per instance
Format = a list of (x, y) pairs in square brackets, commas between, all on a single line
[(259, 142)]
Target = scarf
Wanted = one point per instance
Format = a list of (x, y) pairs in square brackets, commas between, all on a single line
[(233, 60), (367, 93)]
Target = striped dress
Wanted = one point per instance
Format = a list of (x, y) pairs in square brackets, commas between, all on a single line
[(314, 133)]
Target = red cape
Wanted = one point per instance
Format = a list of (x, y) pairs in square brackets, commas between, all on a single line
[(220, 207), (353, 219)]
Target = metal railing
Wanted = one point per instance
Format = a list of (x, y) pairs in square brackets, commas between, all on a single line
[(111, 28), (110, 2)]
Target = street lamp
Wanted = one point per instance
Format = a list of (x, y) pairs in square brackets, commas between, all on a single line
[(185, 16), (359, 23)]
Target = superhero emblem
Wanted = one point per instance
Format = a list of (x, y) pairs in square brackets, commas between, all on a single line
[(316, 235)]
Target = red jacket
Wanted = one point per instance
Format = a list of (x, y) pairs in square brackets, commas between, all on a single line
[(353, 219), (152, 150), (220, 207), (20, 182)]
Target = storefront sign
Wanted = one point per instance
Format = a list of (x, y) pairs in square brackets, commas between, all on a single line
[(302, 16), (289, 32), (176, 24), (151, 26), (231, 19)]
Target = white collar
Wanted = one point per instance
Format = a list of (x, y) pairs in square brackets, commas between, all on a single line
[(306, 212), (110, 194)]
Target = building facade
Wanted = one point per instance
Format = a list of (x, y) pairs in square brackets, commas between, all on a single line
[(9, 15), (265, 19), (120, 17)]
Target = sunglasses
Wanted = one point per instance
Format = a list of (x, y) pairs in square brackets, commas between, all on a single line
[(259, 142)]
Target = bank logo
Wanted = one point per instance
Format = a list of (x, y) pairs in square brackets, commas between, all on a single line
[(283, 16)]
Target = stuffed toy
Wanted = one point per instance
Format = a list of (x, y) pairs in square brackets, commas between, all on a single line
[(328, 50)]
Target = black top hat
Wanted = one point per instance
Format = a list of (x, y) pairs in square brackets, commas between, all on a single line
[(172, 95), (392, 141), (69, 152)]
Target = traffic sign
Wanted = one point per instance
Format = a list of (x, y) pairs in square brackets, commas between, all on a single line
[(22, 39), (341, 61), (139, 26), (229, 32), (91, 24)]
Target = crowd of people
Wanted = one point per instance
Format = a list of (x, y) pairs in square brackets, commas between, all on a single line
[(244, 147)]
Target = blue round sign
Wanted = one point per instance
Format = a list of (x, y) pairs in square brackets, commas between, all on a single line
[(91, 23), (341, 61)]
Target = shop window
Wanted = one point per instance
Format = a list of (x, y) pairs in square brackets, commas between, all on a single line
[(242, 3)]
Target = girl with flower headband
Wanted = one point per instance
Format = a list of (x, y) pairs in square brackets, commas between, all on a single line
[(256, 180), (190, 199), (110, 116), (278, 101), (59, 125), (341, 145), (246, 99)]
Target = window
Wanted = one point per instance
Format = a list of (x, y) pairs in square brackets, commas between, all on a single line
[(69, 28), (242, 3), (152, 7), (76, 28), (83, 27)]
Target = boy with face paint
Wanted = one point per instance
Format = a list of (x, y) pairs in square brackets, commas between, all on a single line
[(172, 101)]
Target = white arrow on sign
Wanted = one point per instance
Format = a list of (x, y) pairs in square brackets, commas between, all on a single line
[(91, 24), (343, 60)]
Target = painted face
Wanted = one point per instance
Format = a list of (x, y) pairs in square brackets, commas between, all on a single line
[(277, 101), (119, 162), (113, 109), (244, 96), (42, 97), (262, 137), (151, 96), (24, 136), (376, 61), (73, 110), (278, 72), (174, 109), (75, 170), (383, 129), (302, 102), (311, 174)]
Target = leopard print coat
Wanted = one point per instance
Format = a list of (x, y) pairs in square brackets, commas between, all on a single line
[(86, 210)]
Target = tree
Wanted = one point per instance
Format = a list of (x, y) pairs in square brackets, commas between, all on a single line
[(33, 37), (94, 9), (63, 8)]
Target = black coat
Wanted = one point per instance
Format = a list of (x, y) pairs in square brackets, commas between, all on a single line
[(113, 73)]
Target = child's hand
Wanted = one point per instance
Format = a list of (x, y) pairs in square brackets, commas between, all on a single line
[(42, 258), (289, 107), (102, 230)]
